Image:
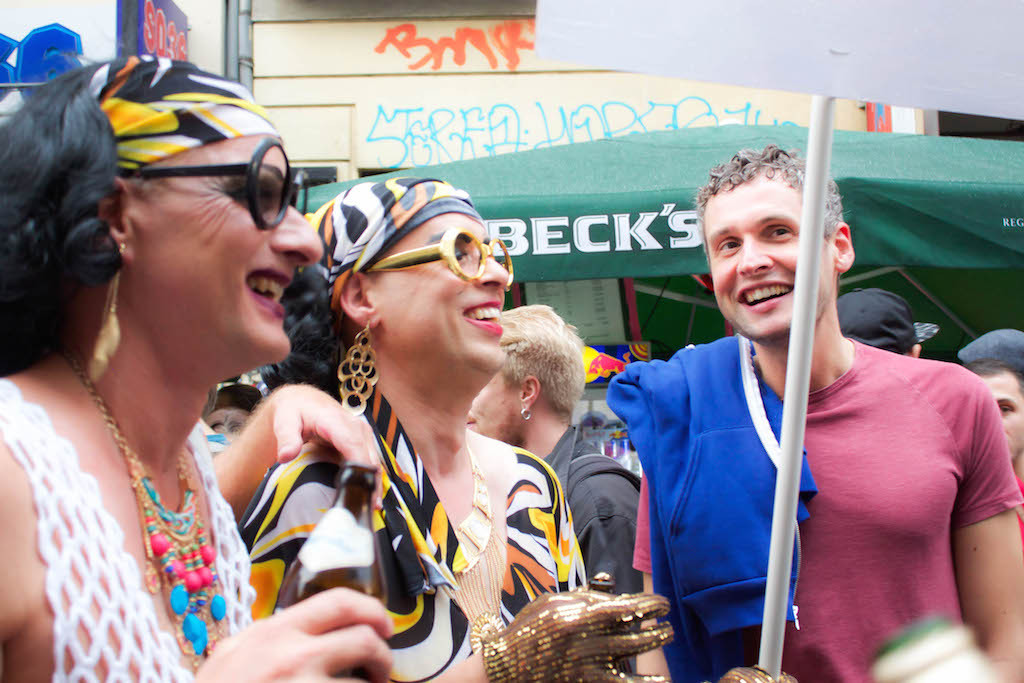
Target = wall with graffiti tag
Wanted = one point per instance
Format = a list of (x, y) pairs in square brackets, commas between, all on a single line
[(417, 136), (425, 92)]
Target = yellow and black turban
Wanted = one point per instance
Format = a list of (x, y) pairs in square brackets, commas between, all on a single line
[(159, 108), (363, 222)]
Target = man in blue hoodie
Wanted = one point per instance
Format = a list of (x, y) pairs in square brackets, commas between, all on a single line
[(909, 511)]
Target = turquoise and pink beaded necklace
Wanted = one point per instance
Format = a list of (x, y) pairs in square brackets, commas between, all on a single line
[(180, 557)]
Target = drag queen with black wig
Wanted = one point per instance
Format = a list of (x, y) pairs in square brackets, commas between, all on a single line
[(146, 234)]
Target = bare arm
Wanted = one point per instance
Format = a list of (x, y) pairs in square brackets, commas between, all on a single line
[(651, 662), (241, 467), (990, 580), (285, 420)]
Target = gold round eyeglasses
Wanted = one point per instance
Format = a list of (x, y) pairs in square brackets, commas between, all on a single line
[(462, 251)]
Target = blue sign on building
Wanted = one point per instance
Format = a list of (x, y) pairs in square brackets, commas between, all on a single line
[(43, 54)]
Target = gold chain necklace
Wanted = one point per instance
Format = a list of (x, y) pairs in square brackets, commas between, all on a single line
[(479, 591), (180, 558)]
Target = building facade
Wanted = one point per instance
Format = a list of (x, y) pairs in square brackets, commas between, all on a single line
[(361, 87)]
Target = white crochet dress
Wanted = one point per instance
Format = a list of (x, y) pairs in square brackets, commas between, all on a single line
[(93, 585)]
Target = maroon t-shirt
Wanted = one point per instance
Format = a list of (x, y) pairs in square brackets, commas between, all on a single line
[(903, 451), (1020, 520)]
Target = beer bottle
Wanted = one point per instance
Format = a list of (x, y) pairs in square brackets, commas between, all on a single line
[(933, 651), (341, 550)]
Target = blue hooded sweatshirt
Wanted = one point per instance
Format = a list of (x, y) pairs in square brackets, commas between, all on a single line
[(707, 431)]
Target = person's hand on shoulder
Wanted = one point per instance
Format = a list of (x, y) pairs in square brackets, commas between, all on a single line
[(304, 414), (292, 416), (323, 638)]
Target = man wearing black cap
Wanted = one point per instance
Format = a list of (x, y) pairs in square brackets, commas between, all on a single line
[(998, 358), (1006, 345), (879, 318)]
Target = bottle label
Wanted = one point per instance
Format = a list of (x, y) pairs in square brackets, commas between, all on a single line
[(337, 541)]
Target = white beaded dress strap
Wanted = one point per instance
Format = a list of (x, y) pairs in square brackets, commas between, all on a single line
[(103, 618)]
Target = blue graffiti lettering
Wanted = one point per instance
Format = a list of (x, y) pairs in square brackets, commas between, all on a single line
[(704, 111), (745, 110), (505, 130), (402, 141), (585, 118), (622, 119), (7, 46), (439, 121), (43, 54), (415, 136), (469, 130), (549, 141)]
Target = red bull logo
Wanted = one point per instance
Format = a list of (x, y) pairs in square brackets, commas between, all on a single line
[(601, 366), (639, 351)]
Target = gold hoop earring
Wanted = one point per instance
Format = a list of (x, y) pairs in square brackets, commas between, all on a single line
[(110, 332), (357, 374)]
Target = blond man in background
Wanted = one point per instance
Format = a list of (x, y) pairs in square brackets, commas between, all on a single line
[(530, 404)]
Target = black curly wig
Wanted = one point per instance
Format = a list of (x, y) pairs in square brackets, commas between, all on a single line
[(58, 160), (309, 324)]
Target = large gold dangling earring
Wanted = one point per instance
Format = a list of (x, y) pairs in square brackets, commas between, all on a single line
[(357, 373), (110, 331)]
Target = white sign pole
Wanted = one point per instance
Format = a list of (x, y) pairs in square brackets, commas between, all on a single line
[(798, 373)]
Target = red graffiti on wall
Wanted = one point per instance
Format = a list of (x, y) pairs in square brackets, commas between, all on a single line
[(509, 39), (506, 40)]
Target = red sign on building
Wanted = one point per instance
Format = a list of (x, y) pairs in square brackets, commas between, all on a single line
[(879, 117)]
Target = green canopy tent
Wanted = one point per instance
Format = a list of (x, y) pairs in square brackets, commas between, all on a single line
[(938, 220)]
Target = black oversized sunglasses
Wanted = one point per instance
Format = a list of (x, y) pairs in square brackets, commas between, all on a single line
[(268, 193)]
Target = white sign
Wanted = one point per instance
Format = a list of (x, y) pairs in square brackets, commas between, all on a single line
[(593, 306), (942, 54)]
